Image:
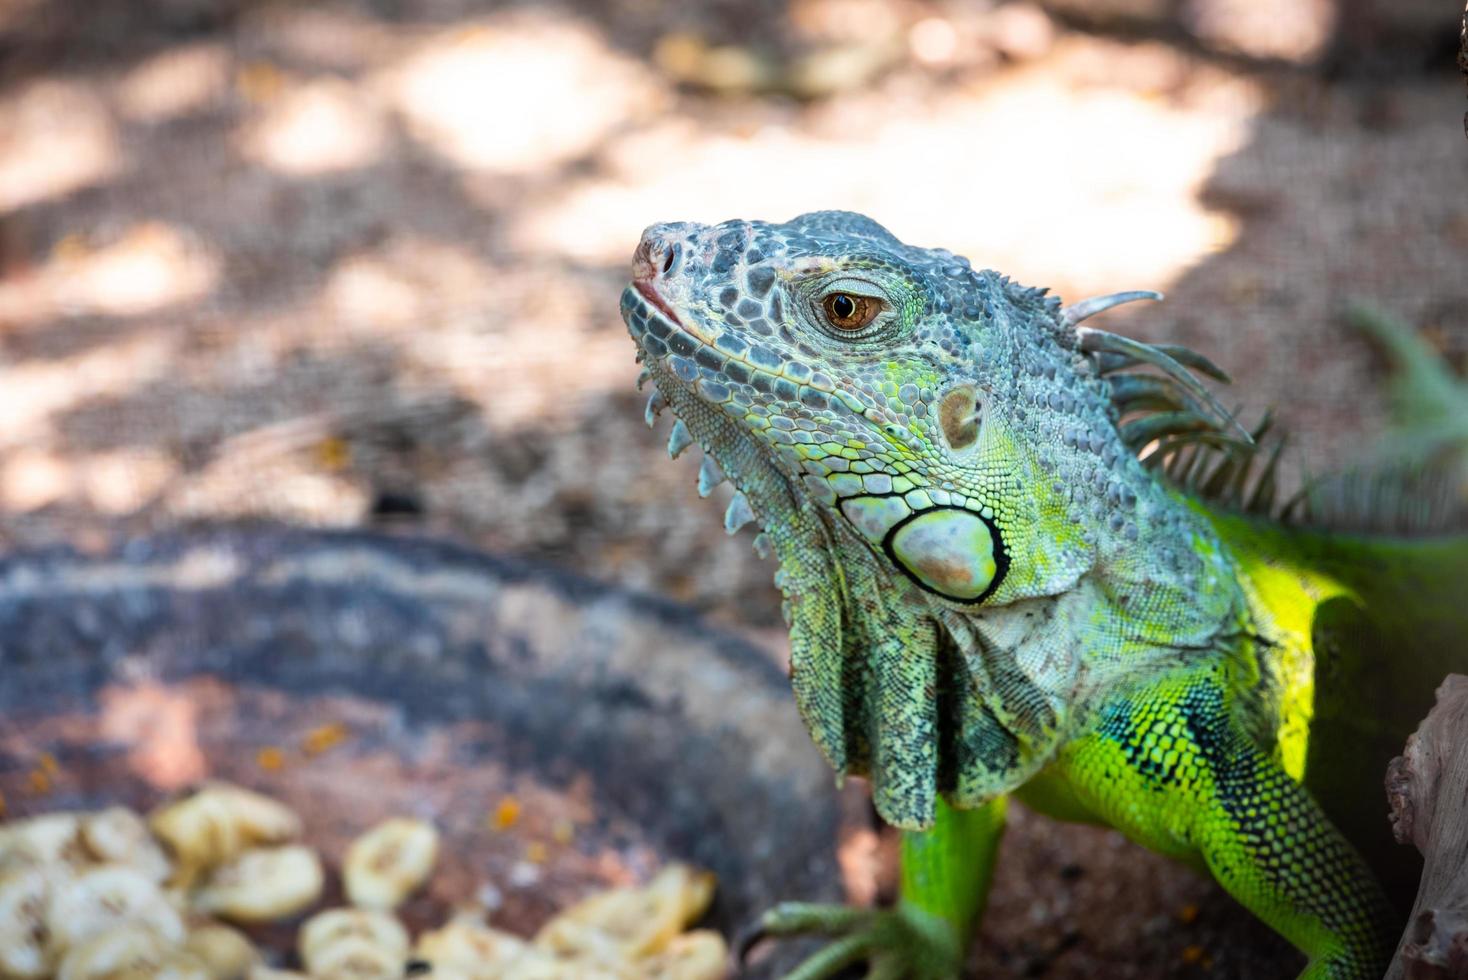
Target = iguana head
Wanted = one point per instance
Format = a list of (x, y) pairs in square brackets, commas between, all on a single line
[(926, 446)]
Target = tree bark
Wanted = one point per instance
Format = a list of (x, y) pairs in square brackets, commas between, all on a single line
[(1428, 789), (1463, 56)]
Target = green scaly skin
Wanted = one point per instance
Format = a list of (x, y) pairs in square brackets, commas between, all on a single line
[(988, 593)]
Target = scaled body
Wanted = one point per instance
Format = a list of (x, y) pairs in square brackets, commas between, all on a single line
[(988, 592)]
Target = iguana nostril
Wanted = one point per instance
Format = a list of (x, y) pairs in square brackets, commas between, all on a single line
[(656, 254)]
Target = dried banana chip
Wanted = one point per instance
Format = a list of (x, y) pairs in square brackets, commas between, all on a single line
[(50, 839), (263, 884), (225, 952), (635, 921), (389, 862), (106, 897), (467, 944), (355, 958), (117, 835), (23, 952), (129, 952), (569, 938), (218, 821), (326, 930), (691, 888), (535, 964), (199, 830), (22, 955), (82, 897), (698, 955)]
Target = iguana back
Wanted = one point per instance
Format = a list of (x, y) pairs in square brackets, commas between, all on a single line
[(1383, 619)]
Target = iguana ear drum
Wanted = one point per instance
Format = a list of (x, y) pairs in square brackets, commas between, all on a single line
[(959, 412), (951, 552)]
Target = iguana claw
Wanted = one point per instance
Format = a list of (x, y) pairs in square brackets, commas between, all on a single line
[(894, 943), (795, 918)]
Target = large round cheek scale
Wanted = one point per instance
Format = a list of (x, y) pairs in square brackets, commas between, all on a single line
[(950, 551)]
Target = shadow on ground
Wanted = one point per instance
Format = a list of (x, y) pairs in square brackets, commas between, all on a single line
[(357, 263)]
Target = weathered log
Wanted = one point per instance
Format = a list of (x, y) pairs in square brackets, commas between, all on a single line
[(1428, 789), (1463, 56)]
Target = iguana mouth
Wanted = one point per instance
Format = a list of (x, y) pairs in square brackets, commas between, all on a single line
[(668, 350), (651, 295)]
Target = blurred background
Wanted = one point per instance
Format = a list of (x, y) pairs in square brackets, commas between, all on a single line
[(357, 262)]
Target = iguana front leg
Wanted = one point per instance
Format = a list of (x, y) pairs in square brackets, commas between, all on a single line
[(946, 874), (1168, 765)]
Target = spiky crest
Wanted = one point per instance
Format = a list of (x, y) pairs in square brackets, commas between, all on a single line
[(1416, 489)]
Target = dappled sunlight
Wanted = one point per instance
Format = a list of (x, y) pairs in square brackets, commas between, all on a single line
[(34, 478), (317, 127), (175, 83), (1291, 30), (1088, 185), (37, 392), (282, 488), (540, 371), (518, 94), (408, 283), (269, 266), (150, 266), (121, 481), (444, 310), (116, 482), (55, 137), (327, 262), (335, 37), (933, 41)]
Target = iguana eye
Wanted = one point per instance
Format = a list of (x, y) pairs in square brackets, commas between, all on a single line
[(847, 311)]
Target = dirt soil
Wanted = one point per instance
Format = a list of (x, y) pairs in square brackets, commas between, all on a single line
[(357, 263)]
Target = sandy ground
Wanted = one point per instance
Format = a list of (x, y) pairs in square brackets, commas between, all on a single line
[(325, 263), (357, 262)]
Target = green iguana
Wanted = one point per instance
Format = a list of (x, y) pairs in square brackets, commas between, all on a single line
[(1014, 561)]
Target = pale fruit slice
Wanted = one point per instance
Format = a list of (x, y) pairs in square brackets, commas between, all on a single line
[(698, 955), (117, 835), (225, 952), (537, 965), (263, 884), (218, 821), (637, 921), (49, 839), (326, 930), (389, 862), (129, 952), (107, 897), (468, 945), (23, 896), (355, 958)]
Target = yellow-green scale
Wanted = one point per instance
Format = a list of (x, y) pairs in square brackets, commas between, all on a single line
[(1362, 630)]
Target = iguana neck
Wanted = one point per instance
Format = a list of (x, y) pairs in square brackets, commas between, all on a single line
[(927, 697), (1166, 598)]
